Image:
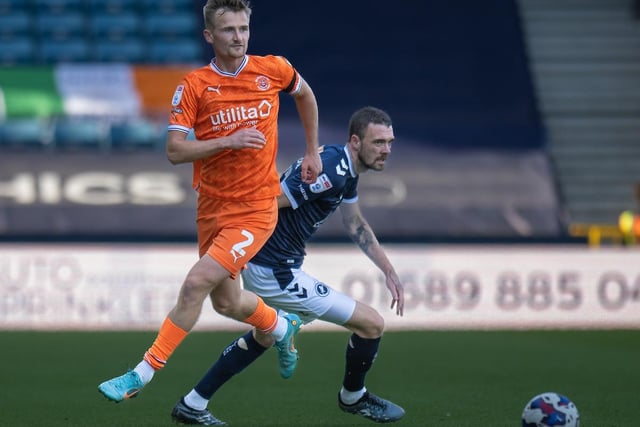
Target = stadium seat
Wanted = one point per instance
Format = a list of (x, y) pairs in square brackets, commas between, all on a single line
[(12, 6), (184, 51), (62, 26), (15, 24), (128, 51), (115, 26), (24, 133), (110, 7), (74, 50), (54, 7), (174, 26), (167, 7), (18, 50), (135, 134), (81, 133)]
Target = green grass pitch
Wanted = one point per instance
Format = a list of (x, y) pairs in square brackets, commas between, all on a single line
[(441, 378)]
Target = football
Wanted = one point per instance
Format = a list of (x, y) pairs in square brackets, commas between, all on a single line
[(550, 410)]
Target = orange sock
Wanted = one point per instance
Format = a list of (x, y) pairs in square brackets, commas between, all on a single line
[(264, 318), (168, 339)]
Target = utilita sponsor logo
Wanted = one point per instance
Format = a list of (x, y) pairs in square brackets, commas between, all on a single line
[(240, 114)]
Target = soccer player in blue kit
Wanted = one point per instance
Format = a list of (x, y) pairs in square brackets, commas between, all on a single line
[(275, 273)]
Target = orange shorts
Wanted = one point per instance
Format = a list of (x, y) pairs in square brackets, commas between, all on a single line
[(232, 232)]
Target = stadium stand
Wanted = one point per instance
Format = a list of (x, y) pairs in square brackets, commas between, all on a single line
[(55, 7), (585, 63), (127, 50), (61, 26), (15, 23), (179, 50), (10, 6), (17, 50), (31, 29), (135, 134), (174, 26), (169, 7), (76, 133), (108, 7), (472, 159), (114, 26), (25, 133), (68, 50)]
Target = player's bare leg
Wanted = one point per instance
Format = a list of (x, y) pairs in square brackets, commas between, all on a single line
[(206, 277)]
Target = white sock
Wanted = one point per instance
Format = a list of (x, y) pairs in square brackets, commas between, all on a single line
[(195, 401), (145, 371), (281, 328), (351, 397)]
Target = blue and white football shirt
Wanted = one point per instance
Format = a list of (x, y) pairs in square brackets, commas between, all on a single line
[(311, 205)]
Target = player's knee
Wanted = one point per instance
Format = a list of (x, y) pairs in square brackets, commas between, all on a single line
[(227, 301), (193, 292), (223, 306), (373, 327), (377, 325)]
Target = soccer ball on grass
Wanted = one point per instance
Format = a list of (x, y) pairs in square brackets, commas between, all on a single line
[(550, 410)]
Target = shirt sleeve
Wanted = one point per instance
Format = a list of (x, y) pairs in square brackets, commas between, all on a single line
[(328, 184), (183, 107), (291, 80)]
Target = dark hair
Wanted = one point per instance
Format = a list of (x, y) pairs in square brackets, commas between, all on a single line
[(209, 9), (361, 119)]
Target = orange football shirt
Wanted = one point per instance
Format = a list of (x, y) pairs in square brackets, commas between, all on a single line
[(215, 103)]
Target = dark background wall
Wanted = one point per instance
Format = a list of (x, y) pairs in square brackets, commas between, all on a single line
[(452, 73), (469, 161)]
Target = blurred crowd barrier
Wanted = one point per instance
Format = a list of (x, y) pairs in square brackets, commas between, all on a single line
[(131, 287)]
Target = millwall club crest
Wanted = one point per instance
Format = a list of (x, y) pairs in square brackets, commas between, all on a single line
[(322, 290), (323, 183)]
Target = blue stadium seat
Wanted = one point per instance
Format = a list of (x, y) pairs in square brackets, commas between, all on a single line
[(115, 26), (18, 50), (81, 133), (183, 51), (110, 7), (24, 133), (135, 134), (15, 24), (62, 26), (172, 26), (73, 50), (12, 6), (131, 51), (58, 6), (167, 7)]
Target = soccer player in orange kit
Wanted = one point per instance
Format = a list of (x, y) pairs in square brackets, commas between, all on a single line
[(232, 105)]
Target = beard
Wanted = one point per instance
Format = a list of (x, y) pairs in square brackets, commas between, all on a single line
[(373, 164)]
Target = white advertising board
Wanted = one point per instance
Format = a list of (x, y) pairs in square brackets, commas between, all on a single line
[(133, 287)]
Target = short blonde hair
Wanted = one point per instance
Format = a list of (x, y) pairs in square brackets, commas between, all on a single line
[(209, 10)]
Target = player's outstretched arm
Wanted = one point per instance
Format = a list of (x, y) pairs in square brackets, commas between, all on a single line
[(361, 233)]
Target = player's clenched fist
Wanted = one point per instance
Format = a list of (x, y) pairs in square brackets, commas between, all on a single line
[(311, 167)]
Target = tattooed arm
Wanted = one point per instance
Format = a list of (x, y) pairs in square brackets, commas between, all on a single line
[(362, 235)]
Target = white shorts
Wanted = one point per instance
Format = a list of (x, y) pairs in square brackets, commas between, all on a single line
[(294, 291)]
